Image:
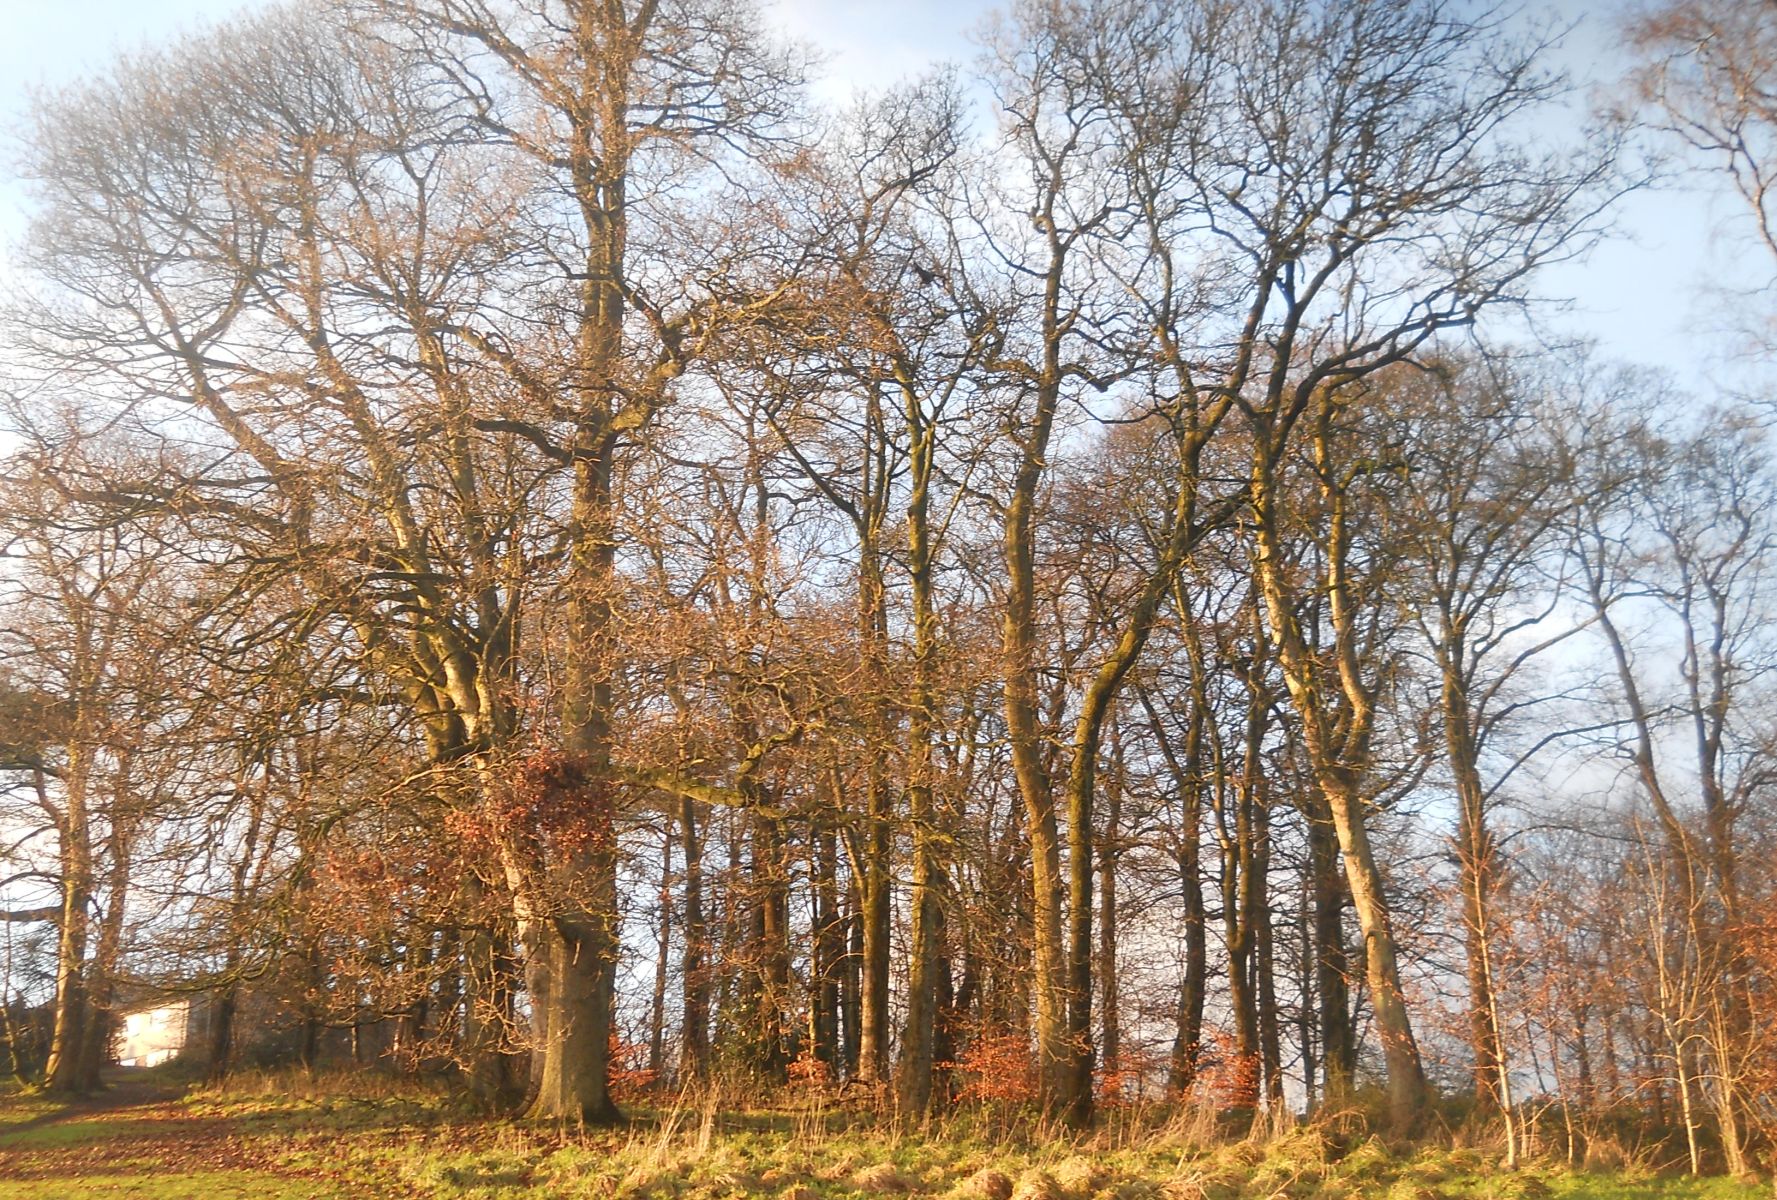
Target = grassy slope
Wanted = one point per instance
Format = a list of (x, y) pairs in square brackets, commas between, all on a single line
[(352, 1138)]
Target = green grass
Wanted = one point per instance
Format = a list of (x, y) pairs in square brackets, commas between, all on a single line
[(292, 1139), (71, 1132)]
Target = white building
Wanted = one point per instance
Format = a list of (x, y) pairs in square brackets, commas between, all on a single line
[(151, 1036)]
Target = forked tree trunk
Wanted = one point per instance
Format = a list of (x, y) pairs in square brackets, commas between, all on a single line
[(1339, 760), (920, 1033)]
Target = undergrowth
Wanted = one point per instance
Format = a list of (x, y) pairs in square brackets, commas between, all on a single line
[(368, 1134), (698, 1149)]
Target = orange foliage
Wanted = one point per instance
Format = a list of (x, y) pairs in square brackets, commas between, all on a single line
[(628, 1074), (810, 1072), (1227, 1077), (997, 1069)]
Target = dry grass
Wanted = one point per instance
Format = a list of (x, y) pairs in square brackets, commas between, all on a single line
[(295, 1138), (883, 1177), (985, 1184)]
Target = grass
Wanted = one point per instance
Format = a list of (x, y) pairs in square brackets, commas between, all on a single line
[(209, 1185), (282, 1138)]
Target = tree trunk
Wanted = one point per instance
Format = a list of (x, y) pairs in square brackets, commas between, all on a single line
[(828, 951), (487, 1003), (1265, 958), (771, 955), (1240, 881), (919, 1035), (1110, 1001), (1476, 869), (223, 1002), (102, 972), (578, 940), (851, 1000), (68, 1036), (575, 1020), (1188, 772), (694, 1032), (1339, 759), (662, 965), (874, 884), (1407, 1092), (1338, 1045)]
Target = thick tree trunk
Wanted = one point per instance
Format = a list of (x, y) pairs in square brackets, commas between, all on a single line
[(95, 1049), (1407, 1091), (576, 1021), (577, 940), (224, 1004), (1048, 977), (919, 1035), (69, 1033)]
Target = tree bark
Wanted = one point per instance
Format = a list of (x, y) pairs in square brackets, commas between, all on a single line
[(68, 1036), (1337, 745), (919, 1035), (662, 964), (828, 951), (694, 1030)]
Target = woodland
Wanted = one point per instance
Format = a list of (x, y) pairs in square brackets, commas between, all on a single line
[(540, 557)]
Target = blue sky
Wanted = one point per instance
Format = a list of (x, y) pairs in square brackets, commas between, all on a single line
[(1643, 297)]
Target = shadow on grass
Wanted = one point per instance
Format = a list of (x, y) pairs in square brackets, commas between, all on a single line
[(121, 1093)]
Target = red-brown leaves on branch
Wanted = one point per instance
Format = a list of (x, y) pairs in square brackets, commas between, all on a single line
[(550, 802), (998, 1070)]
